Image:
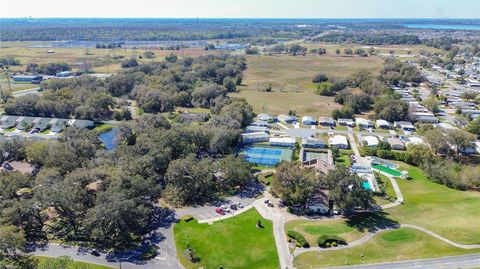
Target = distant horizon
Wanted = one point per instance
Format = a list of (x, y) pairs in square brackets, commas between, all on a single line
[(248, 18), (244, 9)]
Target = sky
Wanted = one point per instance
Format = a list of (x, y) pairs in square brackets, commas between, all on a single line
[(241, 8)]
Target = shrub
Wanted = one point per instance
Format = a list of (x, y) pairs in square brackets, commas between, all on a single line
[(188, 218), (330, 240), (149, 253), (263, 177), (299, 238)]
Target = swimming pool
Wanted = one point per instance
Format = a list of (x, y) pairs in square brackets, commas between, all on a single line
[(366, 185)]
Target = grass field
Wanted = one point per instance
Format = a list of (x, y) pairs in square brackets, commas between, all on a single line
[(312, 229), (451, 213), (231, 243), (96, 58), (45, 261), (343, 161), (291, 80), (391, 245)]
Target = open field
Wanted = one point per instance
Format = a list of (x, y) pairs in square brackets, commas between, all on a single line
[(312, 229), (291, 80), (44, 261), (97, 59), (16, 86), (451, 213), (231, 243), (391, 245)]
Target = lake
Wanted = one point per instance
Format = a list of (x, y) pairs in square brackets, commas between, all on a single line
[(108, 139), (474, 27)]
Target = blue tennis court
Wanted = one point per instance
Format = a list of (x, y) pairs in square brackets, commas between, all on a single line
[(265, 156), (264, 151)]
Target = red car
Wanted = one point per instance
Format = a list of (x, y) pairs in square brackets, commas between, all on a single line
[(219, 211)]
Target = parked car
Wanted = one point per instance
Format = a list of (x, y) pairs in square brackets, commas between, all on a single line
[(95, 253), (239, 205), (266, 201), (219, 211), (233, 207), (7, 166), (270, 205)]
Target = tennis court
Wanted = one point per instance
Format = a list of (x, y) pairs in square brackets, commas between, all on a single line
[(266, 156)]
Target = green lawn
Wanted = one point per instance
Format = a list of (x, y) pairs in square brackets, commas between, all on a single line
[(232, 243), (44, 262), (391, 245), (389, 191), (343, 160), (102, 128), (451, 213), (312, 229)]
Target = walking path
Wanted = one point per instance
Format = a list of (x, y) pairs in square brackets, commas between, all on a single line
[(368, 236), (396, 188)]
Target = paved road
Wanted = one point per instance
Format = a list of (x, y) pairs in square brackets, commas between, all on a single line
[(455, 262), (25, 92)]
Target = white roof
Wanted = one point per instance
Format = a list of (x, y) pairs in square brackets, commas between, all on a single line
[(371, 140), (383, 122), (286, 139), (415, 140), (308, 118), (256, 134), (362, 121), (338, 139)]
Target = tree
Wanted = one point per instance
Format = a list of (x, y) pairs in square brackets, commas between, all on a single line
[(235, 172), (459, 139), (474, 127), (190, 181), (436, 141), (293, 184), (319, 77), (337, 51), (390, 109), (348, 51), (12, 249), (132, 62), (431, 104), (371, 50), (172, 58), (230, 84), (324, 88), (346, 191)]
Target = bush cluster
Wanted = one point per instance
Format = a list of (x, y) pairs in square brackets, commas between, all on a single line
[(299, 238), (330, 240)]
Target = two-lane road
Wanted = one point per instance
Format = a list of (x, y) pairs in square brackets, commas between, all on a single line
[(453, 262)]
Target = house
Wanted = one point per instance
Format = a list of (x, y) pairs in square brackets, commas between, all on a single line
[(248, 138), (82, 124), (326, 121), (363, 123), (256, 129), (36, 79), (282, 141), (425, 117), (383, 124), (287, 118), (58, 125), (307, 120), (319, 165), (260, 123), (346, 122), (338, 141), (370, 141), (412, 140), (41, 123), (404, 126), (319, 203), (266, 117), (395, 143), (7, 122), (24, 123), (313, 143), (472, 112)]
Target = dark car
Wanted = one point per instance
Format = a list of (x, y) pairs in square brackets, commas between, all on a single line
[(95, 253), (7, 166), (233, 207)]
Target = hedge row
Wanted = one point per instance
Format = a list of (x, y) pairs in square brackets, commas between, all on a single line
[(299, 238), (330, 240)]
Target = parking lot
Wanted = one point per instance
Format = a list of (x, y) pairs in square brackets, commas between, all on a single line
[(204, 212)]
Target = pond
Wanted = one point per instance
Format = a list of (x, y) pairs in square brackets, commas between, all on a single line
[(109, 139)]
